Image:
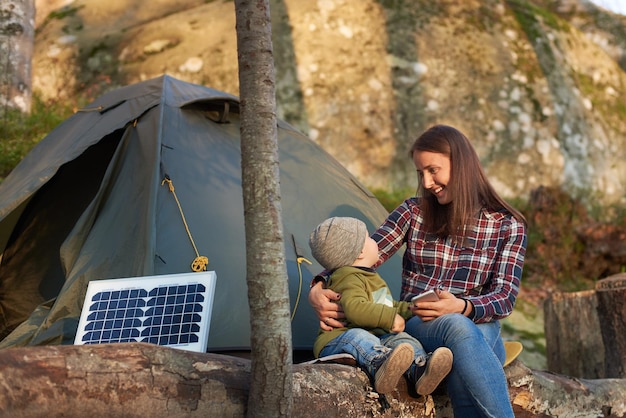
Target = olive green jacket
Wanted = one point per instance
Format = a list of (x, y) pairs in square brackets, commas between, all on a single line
[(366, 301)]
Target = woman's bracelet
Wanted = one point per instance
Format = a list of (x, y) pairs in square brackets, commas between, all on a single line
[(465, 306)]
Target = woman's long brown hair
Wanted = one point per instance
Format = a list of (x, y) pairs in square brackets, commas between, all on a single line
[(468, 184)]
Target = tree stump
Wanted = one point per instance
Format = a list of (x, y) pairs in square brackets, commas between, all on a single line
[(611, 297), (586, 331), (573, 339)]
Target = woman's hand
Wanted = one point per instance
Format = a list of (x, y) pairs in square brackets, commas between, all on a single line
[(447, 303), (323, 301)]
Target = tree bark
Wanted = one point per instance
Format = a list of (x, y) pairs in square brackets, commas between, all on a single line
[(586, 331), (611, 293), (536, 393), (574, 344), (17, 37), (139, 380), (288, 88), (266, 274)]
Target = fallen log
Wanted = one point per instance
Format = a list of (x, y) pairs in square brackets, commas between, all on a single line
[(536, 393), (138, 380)]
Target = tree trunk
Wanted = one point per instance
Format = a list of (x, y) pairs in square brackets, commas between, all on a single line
[(17, 37), (139, 380), (288, 87), (611, 294), (266, 275)]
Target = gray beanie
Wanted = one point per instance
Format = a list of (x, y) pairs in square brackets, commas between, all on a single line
[(338, 242)]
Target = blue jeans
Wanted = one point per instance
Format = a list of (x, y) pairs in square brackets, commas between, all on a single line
[(476, 385), (370, 350)]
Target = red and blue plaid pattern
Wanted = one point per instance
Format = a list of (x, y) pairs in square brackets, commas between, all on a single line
[(486, 267)]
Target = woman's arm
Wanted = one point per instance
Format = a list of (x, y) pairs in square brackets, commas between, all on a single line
[(323, 301), (498, 299), (392, 233)]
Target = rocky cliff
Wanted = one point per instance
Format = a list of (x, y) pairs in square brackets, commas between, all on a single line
[(539, 86)]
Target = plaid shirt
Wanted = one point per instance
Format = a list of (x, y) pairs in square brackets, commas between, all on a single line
[(486, 269)]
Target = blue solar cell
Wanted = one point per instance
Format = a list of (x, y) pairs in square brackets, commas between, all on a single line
[(95, 315), (138, 293), (130, 333), (158, 311), (95, 325), (136, 303), (92, 336), (132, 323)]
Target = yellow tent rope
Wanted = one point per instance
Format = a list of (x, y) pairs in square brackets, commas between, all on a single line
[(295, 305), (200, 262)]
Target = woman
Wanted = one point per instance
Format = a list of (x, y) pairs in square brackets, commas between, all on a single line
[(468, 243)]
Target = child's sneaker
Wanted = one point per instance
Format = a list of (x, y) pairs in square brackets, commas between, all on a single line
[(392, 369), (437, 368)]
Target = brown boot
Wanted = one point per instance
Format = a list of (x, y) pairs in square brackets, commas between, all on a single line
[(392, 369), (437, 368)]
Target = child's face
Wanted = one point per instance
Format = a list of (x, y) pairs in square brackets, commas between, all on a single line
[(369, 255)]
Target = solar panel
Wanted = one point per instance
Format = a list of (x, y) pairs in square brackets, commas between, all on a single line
[(172, 310)]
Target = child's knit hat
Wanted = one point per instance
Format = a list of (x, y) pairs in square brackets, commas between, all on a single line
[(338, 242)]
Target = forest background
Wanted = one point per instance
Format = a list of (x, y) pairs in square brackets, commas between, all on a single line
[(539, 86)]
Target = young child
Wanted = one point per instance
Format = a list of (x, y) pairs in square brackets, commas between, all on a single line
[(374, 333)]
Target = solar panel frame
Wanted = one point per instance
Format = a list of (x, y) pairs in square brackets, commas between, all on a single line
[(172, 310)]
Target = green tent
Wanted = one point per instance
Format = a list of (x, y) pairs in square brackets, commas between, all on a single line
[(89, 202)]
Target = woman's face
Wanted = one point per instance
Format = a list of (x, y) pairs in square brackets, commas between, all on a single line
[(433, 169)]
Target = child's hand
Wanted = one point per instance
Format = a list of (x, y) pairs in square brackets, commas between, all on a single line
[(398, 324)]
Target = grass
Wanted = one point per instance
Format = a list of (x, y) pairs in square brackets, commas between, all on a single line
[(20, 132), (391, 199)]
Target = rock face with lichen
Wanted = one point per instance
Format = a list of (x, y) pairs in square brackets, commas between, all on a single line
[(539, 86)]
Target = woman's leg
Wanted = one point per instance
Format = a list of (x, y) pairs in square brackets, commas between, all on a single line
[(477, 385), (491, 332)]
